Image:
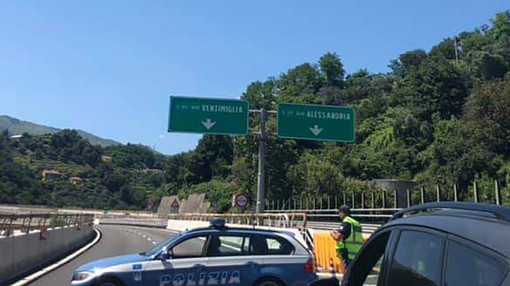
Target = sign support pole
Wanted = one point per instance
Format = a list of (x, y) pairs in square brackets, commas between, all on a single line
[(262, 161)]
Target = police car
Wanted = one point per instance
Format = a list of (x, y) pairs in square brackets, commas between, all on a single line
[(216, 255)]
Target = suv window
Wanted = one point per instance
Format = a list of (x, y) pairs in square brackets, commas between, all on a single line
[(191, 247), (367, 267), (270, 245), (418, 259), (467, 266), (228, 245)]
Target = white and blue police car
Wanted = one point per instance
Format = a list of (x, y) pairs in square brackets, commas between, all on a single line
[(216, 255)]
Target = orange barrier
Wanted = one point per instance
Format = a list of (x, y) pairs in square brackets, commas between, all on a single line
[(325, 254), (324, 250)]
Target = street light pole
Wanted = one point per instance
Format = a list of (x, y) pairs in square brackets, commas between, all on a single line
[(262, 161)]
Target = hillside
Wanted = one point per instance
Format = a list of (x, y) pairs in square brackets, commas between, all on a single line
[(127, 178), (16, 126)]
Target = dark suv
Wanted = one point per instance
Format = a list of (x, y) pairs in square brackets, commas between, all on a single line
[(437, 244)]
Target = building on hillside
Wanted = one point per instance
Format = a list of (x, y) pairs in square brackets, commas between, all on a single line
[(106, 158), (145, 171), (16, 137), (400, 186), (77, 181), (51, 175)]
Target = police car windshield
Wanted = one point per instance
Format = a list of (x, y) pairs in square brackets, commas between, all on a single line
[(157, 248)]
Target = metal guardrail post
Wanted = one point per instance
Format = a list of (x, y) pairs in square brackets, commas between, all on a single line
[(344, 197), (329, 202), (408, 198), (336, 202), (373, 199), (395, 201), (455, 193), (353, 206), (314, 202), (497, 189), (438, 193), (475, 189), (277, 204), (322, 200), (362, 200), (422, 194), (383, 198)]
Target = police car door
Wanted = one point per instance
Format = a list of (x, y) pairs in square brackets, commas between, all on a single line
[(229, 261), (183, 266)]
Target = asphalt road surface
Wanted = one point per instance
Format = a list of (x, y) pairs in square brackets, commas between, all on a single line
[(115, 240)]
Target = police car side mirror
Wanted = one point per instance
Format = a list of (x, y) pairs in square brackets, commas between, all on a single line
[(165, 254)]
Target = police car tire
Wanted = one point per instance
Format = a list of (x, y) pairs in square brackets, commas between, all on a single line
[(268, 281), (110, 281)]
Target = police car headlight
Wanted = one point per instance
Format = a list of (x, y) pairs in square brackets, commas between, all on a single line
[(80, 276)]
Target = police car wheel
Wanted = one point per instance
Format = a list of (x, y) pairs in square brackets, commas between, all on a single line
[(109, 281), (268, 282)]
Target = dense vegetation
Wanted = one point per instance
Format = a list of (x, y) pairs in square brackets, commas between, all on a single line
[(438, 117), (126, 182)]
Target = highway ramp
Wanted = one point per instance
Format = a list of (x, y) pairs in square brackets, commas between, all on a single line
[(115, 240)]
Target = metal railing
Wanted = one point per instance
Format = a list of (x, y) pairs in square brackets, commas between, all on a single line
[(381, 204), (24, 223), (287, 220)]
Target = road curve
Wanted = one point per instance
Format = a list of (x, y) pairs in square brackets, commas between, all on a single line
[(115, 240)]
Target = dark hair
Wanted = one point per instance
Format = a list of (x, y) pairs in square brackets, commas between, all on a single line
[(345, 209)]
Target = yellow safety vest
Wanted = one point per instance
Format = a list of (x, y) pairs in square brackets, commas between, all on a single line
[(354, 242)]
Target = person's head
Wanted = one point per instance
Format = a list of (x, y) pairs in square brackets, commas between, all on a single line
[(344, 211)]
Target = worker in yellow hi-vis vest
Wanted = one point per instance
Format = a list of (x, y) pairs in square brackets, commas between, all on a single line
[(349, 238)]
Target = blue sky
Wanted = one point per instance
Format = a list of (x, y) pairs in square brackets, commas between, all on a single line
[(108, 67)]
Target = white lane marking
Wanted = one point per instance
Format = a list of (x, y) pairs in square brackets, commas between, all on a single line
[(144, 236), (149, 239), (31, 278), (154, 243)]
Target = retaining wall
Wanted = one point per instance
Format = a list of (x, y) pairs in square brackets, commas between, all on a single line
[(22, 254)]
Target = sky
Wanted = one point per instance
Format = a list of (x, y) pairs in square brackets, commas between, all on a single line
[(109, 67)]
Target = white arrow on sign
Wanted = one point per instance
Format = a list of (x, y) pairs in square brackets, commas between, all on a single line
[(316, 130), (208, 124)]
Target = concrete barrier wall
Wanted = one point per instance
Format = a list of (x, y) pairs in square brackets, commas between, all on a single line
[(25, 253)]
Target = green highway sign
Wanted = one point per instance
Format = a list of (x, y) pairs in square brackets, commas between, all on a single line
[(316, 122), (208, 115)]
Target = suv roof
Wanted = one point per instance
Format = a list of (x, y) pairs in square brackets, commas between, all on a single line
[(487, 225)]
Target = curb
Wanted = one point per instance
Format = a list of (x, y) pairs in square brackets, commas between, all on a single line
[(32, 277)]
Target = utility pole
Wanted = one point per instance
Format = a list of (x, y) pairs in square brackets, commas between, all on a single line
[(456, 54), (262, 161)]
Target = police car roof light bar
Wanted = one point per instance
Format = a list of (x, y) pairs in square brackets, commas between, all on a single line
[(501, 212), (217, 223)]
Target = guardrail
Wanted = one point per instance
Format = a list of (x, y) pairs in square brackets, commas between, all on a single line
[(24, 223), (287, 220)]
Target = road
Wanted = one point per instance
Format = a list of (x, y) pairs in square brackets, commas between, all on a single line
[(115, 240)]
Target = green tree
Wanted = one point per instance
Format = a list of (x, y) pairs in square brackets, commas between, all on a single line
[(487, 116), (332, 69)]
